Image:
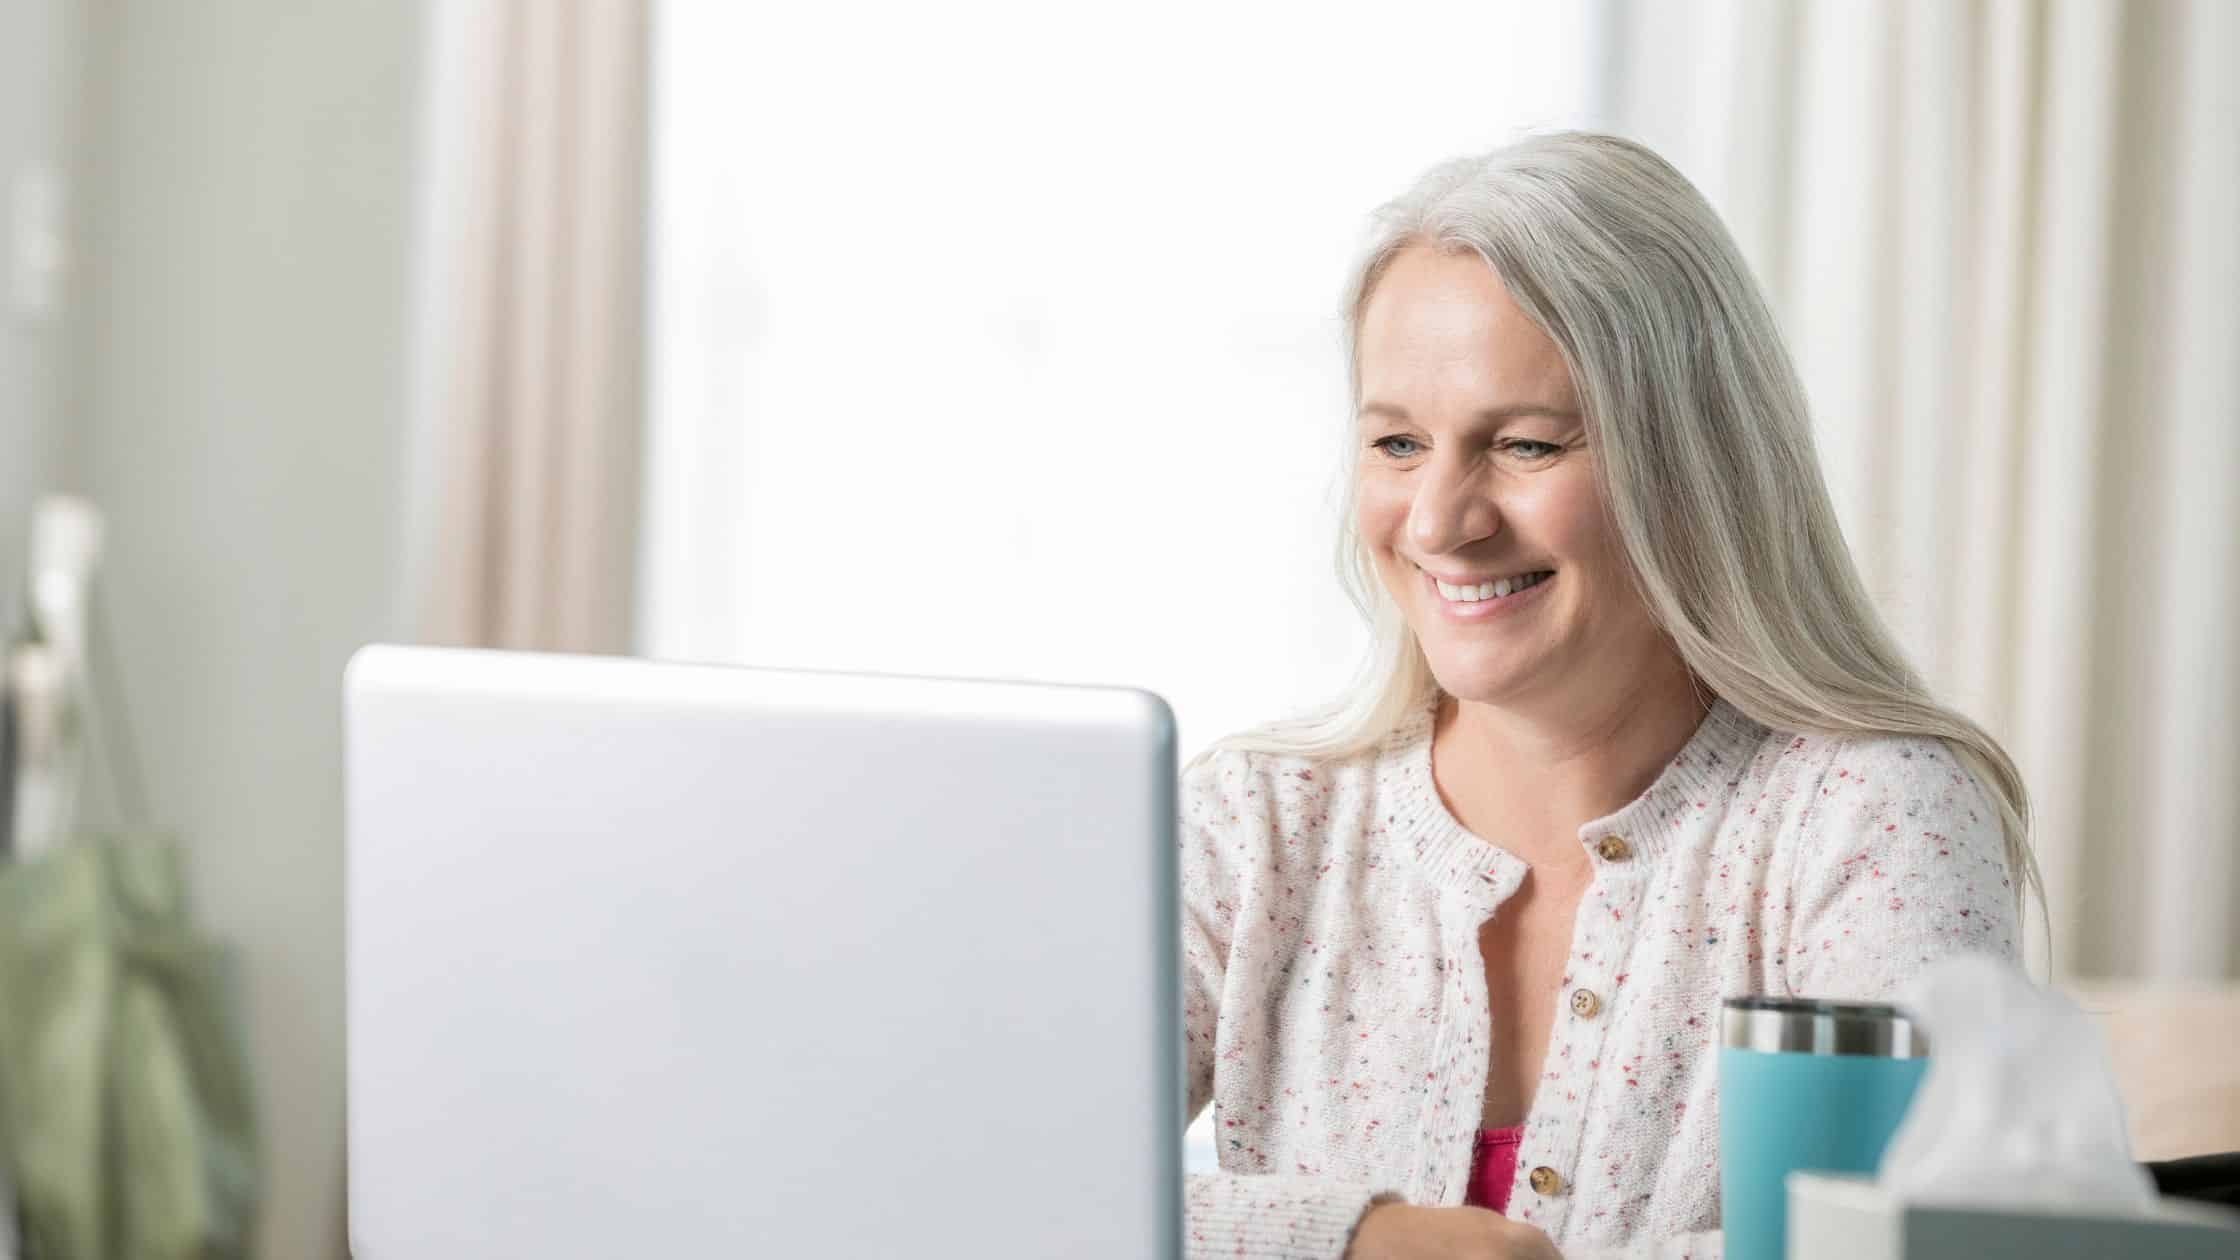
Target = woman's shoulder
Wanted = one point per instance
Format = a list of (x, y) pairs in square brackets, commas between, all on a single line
[(1240, 781), (1235, 774), (1879, 764), (1892, 801), (1893, 850), (1234, 803)]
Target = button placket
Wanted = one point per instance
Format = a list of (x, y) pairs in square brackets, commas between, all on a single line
[(1599, 953)]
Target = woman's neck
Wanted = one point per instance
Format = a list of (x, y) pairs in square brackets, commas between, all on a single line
[(1536, 776)]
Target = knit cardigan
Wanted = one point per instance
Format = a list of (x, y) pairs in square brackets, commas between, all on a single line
[(1335, 997)]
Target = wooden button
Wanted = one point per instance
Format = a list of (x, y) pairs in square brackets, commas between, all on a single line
[(1613, 849), (1585, 1004), (1545, 1181)]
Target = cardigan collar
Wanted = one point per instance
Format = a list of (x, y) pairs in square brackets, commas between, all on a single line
[(1450, 856)]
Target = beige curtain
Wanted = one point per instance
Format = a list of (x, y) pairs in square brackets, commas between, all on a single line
[(2004, 240), (532, 322)]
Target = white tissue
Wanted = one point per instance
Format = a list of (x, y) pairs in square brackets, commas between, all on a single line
[(2019, 1107)]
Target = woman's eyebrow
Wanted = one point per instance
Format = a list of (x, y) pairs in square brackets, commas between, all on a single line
[(1506, 411)]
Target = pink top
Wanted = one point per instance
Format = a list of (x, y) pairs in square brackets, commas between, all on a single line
[(1493, 1168)]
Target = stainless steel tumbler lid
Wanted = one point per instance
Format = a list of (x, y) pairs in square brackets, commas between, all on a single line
[(1810, 1026)]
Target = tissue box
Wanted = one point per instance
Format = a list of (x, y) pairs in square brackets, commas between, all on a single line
[(1837, 1217)]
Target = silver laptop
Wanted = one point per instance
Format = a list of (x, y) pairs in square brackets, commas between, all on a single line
[(677, 960)]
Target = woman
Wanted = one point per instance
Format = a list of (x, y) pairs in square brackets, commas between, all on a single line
[(1632, 739)]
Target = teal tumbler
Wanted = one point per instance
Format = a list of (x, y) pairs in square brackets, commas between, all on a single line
[(1804, 1084)]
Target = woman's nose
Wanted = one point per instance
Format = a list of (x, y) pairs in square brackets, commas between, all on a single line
[(1451, 510)]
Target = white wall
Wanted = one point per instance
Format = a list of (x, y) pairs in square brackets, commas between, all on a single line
[(40, 80), (241, 386)]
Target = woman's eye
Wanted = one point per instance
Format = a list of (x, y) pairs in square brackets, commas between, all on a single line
[(1386, 445), (1527, 449)]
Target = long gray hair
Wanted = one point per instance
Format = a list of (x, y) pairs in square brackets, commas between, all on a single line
[(1703, 444)]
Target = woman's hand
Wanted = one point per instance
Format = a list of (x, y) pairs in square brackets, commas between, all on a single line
[(1402, 1231)]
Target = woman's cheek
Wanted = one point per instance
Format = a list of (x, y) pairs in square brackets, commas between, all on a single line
[(1381, 510)]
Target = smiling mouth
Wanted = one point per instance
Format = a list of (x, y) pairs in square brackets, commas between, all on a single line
[(1496, 588)]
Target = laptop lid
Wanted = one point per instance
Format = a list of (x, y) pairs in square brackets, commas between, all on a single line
[(660, 959)]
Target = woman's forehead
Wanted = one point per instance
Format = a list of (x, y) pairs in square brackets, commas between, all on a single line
[(1440, 333)]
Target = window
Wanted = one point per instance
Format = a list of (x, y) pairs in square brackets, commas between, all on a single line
[(1003, 340)]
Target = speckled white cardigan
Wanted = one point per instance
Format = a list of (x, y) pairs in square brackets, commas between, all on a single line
[(1335, 997)]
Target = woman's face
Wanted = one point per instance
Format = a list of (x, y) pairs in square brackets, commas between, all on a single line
[(1475, 470)]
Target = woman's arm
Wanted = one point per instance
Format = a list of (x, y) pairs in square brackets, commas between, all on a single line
[(1705, 1245), (1231, 1214)]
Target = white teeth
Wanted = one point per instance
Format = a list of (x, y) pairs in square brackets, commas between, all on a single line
[(1489, 590)]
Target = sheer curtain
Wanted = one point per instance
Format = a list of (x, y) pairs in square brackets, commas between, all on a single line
[(1002, 340), (2001, 238), (528, 397)]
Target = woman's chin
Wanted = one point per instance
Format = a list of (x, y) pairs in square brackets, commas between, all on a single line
[(1478, 682)]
